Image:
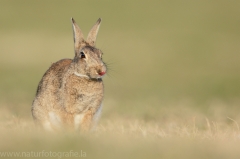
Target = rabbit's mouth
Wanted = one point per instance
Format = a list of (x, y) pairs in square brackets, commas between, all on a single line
[(102, 73), (96, 72), (97, 75)]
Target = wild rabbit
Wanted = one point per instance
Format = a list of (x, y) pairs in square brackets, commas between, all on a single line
[(70, 93)]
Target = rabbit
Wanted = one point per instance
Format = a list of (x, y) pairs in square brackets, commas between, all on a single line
[(70, 93)]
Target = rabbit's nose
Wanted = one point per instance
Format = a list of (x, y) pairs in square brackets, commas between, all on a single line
[(101, 73)]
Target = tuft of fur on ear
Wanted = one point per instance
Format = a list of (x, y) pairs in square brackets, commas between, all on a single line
[(77, 36), (92, 35)]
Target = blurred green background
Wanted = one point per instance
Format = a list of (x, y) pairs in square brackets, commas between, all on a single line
[(157, 50), (166, 58)]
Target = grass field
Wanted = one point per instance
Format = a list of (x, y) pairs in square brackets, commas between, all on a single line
[(172, 90)]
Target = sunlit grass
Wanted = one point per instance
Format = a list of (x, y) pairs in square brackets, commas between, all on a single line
[(181, 135)]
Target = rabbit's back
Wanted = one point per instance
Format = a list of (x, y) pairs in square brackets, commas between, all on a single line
[(53, 77), (48, 95)]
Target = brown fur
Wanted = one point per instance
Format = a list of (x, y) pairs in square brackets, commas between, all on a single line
[(66, 100)]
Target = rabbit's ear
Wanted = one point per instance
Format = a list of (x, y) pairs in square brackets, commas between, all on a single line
[(77, 36), (92, 35)]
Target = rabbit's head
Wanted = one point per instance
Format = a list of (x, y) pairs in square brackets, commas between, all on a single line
[(88, 59)]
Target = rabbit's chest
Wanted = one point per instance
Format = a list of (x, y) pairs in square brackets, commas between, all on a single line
[(84, 96)]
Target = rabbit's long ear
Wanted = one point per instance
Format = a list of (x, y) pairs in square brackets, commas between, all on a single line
[(92, 35), (77, 36)]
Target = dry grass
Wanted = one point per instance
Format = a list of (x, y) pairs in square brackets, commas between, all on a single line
[(190, 135)]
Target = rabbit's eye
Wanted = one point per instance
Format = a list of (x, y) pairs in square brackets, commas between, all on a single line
[(82, 55)]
